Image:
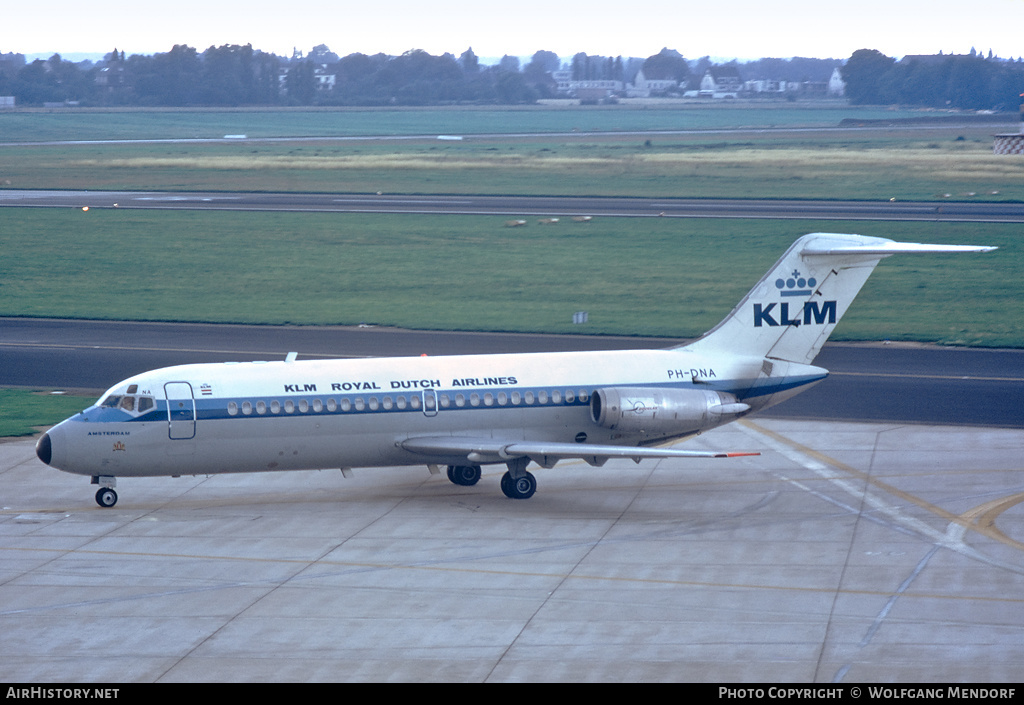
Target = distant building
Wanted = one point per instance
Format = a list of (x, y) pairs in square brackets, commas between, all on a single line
[(764, 85), (596, 91), (587, 91), (110, 78), (836, 84), (323, 78), (721, 82), (643, 87), (324, 81), (563, 80)]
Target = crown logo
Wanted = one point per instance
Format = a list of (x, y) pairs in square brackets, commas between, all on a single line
[(119, 445), (796, 285)]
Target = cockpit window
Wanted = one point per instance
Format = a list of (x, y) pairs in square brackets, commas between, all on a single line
[(128, 402)]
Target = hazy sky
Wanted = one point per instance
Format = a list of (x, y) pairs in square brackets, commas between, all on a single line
[(743, 29)]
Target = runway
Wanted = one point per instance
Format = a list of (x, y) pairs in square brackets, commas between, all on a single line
[(524, 206)]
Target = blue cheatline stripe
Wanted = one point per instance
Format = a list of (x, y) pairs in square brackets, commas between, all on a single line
[(210, 409)]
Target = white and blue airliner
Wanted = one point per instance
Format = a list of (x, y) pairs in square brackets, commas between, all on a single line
[(467, 411)]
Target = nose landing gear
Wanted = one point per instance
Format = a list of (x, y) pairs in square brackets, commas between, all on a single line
[(106, 497)]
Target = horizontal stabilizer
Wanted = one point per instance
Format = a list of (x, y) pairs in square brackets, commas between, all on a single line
[(888, 248)]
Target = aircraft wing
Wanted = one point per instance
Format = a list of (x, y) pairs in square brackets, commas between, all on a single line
[(490, 450)]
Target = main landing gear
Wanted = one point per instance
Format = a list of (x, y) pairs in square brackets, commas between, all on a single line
[(464, 475), (517, 483), (521, 487)]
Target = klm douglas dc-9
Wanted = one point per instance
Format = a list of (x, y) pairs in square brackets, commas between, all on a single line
[(474, 410)]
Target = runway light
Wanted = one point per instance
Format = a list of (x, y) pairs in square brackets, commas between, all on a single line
[(85, 209)]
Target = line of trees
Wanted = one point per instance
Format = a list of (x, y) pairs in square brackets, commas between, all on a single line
[(969, 81), (233, 75)]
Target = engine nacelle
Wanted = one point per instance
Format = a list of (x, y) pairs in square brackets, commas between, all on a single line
[(662, 412)]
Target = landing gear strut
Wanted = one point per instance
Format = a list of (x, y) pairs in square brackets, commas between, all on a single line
[(465, 475)]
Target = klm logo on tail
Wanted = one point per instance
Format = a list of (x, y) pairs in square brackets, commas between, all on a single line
[(811, 312)]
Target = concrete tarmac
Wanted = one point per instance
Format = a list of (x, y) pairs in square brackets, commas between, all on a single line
[(844, 553)]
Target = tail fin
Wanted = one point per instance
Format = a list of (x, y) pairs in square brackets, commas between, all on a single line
[(792, 311)]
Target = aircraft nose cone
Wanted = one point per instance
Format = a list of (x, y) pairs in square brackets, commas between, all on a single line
[(44, 448)]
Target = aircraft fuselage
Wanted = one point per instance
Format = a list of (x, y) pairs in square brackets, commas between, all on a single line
[(244, 417)]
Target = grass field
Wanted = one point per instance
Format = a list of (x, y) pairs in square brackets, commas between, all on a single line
[(21, 411), (654, 276), (129, 124), (633, 276), (873, 167)]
